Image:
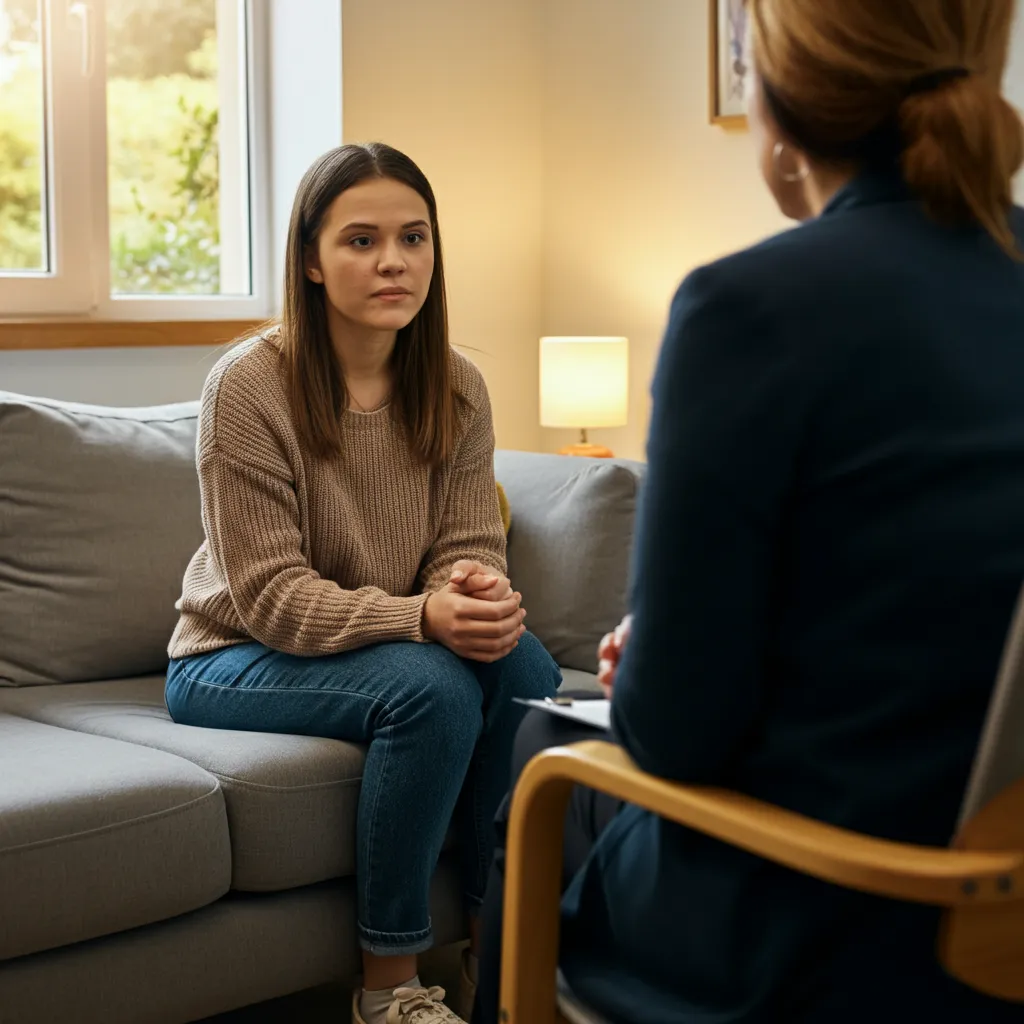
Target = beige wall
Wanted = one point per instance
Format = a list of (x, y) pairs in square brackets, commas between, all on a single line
[(640, 189), (577, 177), (457, 85)]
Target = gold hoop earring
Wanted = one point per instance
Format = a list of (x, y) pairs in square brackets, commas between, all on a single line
[(788, 176)]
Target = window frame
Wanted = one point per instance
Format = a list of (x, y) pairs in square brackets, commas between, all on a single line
[(77, 180)]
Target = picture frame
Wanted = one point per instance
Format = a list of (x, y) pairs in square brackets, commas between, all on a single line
[(728, 62)]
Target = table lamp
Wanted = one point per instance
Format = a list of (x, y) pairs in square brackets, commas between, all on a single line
[(584, 383)]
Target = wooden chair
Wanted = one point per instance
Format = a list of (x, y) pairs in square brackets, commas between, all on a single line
[(979, 879)]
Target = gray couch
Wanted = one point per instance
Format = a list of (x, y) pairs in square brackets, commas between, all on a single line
[(151, 872)]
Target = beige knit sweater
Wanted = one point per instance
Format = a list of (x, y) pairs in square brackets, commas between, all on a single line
[(312, 556)]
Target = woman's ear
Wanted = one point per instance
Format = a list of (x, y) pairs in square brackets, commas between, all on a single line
[(311, 265)]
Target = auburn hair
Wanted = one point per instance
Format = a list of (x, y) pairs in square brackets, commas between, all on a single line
[(865, 81), (423, 397)]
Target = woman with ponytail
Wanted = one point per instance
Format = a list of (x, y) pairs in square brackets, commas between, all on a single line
[(831, 540)]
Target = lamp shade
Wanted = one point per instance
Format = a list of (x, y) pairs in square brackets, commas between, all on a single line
[(584, 382)]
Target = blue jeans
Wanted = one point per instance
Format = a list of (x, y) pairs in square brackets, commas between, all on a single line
[(440, 732)]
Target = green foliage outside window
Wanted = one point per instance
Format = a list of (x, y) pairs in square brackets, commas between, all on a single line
[(162, 144), (20, 208)]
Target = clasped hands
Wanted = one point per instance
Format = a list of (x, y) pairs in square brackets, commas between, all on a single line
[(477, 614)]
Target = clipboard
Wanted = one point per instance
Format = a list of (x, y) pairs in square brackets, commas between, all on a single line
[(596, 713)]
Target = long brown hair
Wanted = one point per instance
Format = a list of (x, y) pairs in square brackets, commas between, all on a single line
[(866, 80), (423, 394)]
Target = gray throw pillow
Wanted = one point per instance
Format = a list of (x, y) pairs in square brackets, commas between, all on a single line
[(570, 545), (99, 516)]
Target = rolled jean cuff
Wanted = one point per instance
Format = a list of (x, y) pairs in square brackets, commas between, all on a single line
[(473, 903), (395, 943)]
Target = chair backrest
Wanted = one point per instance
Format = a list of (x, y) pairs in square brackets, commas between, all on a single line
[(1000, 758)]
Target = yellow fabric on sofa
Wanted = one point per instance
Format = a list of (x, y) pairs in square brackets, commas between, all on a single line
[(506, 509)]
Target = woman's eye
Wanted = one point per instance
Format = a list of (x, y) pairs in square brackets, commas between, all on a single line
[(361, 242), (415, 238)]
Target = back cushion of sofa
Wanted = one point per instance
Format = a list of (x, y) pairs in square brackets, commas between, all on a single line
[(99, 516), (569, 547)]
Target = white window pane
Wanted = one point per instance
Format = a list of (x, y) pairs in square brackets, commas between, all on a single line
[(177, 138), (23, 227)]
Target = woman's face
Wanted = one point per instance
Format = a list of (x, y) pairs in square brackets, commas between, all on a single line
[(375, 255), (783, 167)]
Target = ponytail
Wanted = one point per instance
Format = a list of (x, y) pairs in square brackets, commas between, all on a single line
[(963, 145), (862, 82)]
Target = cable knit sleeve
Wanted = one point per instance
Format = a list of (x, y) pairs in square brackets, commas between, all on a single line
[(471, 526), (255, 543)]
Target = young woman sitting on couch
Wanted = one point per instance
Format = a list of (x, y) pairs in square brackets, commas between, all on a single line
[(352, 583)]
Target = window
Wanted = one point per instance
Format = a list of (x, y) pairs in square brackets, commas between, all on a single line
[(23, 214), (130, 184)]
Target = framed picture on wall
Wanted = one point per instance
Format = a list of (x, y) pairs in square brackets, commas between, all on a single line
[(729, 62)]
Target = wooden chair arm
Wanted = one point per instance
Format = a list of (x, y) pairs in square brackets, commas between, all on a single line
[(534, 858), (941, 877)]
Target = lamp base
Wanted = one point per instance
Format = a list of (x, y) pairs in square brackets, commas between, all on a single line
[(589, 451)]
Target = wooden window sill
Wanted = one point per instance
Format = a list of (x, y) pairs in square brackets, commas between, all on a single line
[(24, 335)]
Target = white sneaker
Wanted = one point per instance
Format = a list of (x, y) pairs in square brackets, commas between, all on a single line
[(413, 1006)]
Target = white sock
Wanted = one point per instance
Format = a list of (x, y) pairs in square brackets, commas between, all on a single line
[(374, 1005)]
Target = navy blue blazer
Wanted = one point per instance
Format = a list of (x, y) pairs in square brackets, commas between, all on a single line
[(830, 545)]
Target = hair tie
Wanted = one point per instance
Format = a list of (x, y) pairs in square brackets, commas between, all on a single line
[(931, 80)]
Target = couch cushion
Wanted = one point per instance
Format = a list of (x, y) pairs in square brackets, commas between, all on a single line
[(99, 516), (97, 836), (291, 800), (241, 950), (569, 547), (575, 681)]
